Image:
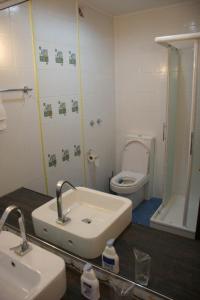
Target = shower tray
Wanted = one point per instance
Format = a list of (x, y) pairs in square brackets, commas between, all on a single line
[(169, 218)]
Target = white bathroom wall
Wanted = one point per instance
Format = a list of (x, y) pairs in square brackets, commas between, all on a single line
[(56, 28), (20, 151), (55, 41), (55, 34), (140, 88), (97, 68), (141, 74)]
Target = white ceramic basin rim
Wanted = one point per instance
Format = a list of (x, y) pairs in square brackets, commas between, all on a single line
[(95, 218), (32, 276)]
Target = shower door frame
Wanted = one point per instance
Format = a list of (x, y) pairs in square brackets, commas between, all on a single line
[(192, 127), (166, 130)]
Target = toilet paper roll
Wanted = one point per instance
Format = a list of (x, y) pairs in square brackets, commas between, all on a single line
[(93, 158)]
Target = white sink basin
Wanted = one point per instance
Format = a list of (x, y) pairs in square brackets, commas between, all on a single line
[(95, 218), (38, 275)]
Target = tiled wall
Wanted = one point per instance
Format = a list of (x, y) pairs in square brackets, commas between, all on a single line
[(56, 51), (59, 85), (140, 89), (20, 152), (140, 73), (97, 66), (57, 57)]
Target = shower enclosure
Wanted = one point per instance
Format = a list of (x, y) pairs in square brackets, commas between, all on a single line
[(181, 135)]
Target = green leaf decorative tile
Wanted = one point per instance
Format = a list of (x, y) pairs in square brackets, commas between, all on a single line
[(75, 107), (77, 150), (59, 57), (48, 112), (43, 55), (65, 155), (62, 109), (72, 58), (52, 161)]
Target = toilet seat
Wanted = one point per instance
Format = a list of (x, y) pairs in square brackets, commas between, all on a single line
[(127, 182)]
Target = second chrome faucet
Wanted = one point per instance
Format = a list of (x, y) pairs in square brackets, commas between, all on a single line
[(24, 247)]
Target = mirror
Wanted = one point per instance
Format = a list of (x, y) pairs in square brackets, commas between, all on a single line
[(64, 128)]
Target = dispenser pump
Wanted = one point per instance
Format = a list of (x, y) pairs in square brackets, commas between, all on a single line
[(110, 243), (87, 267)]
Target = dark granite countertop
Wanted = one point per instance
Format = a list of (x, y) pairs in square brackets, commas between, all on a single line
[(175, 268)]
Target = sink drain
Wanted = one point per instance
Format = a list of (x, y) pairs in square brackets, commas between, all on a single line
[(87, 221), (13, 264)]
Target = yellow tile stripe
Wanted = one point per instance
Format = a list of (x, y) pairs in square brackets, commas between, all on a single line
[(37, 93), (81, 93)]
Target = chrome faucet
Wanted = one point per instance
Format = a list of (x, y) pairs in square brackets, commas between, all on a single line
[(24, 247), (62, 218)]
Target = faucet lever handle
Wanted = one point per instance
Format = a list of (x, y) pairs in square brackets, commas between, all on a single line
[(21, 249), (68, 211), (65, 219), (22, 229)]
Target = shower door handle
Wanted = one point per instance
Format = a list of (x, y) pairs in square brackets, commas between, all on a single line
[(164, 132), (191, 143)]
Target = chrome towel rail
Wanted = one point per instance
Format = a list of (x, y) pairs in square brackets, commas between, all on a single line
[(25, 90)]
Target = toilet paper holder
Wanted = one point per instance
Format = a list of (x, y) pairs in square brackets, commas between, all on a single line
[(93, 157)]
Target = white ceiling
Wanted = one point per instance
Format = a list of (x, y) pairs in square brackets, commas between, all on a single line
[(118, 7)]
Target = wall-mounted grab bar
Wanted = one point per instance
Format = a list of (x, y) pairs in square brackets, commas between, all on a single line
[(25, 90)]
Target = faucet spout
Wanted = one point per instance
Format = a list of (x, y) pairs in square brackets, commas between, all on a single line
[(62, 219), (24, 247)]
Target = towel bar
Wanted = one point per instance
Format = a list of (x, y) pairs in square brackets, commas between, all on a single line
[(25, 90)]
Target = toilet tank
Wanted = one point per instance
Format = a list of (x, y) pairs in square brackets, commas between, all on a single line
[(137, 153)]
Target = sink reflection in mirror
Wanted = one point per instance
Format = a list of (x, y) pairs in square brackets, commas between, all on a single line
[(94, 218)]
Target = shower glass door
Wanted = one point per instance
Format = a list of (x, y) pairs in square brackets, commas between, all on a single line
[(173, 66), (193, 192), (179, 131)]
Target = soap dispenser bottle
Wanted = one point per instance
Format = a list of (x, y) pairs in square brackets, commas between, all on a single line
[(110, 259), (89, 283)]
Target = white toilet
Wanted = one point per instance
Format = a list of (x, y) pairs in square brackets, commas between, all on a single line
[(136, 176)]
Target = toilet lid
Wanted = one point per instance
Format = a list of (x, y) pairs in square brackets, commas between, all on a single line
[(135, 157)]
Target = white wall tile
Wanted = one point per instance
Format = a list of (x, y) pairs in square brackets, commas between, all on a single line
[(5, 22), (7, 59), (97, 65), (140, 74), (55, 27), (20, 151)]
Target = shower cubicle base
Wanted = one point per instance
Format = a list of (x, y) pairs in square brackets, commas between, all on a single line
[(169, 217)]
